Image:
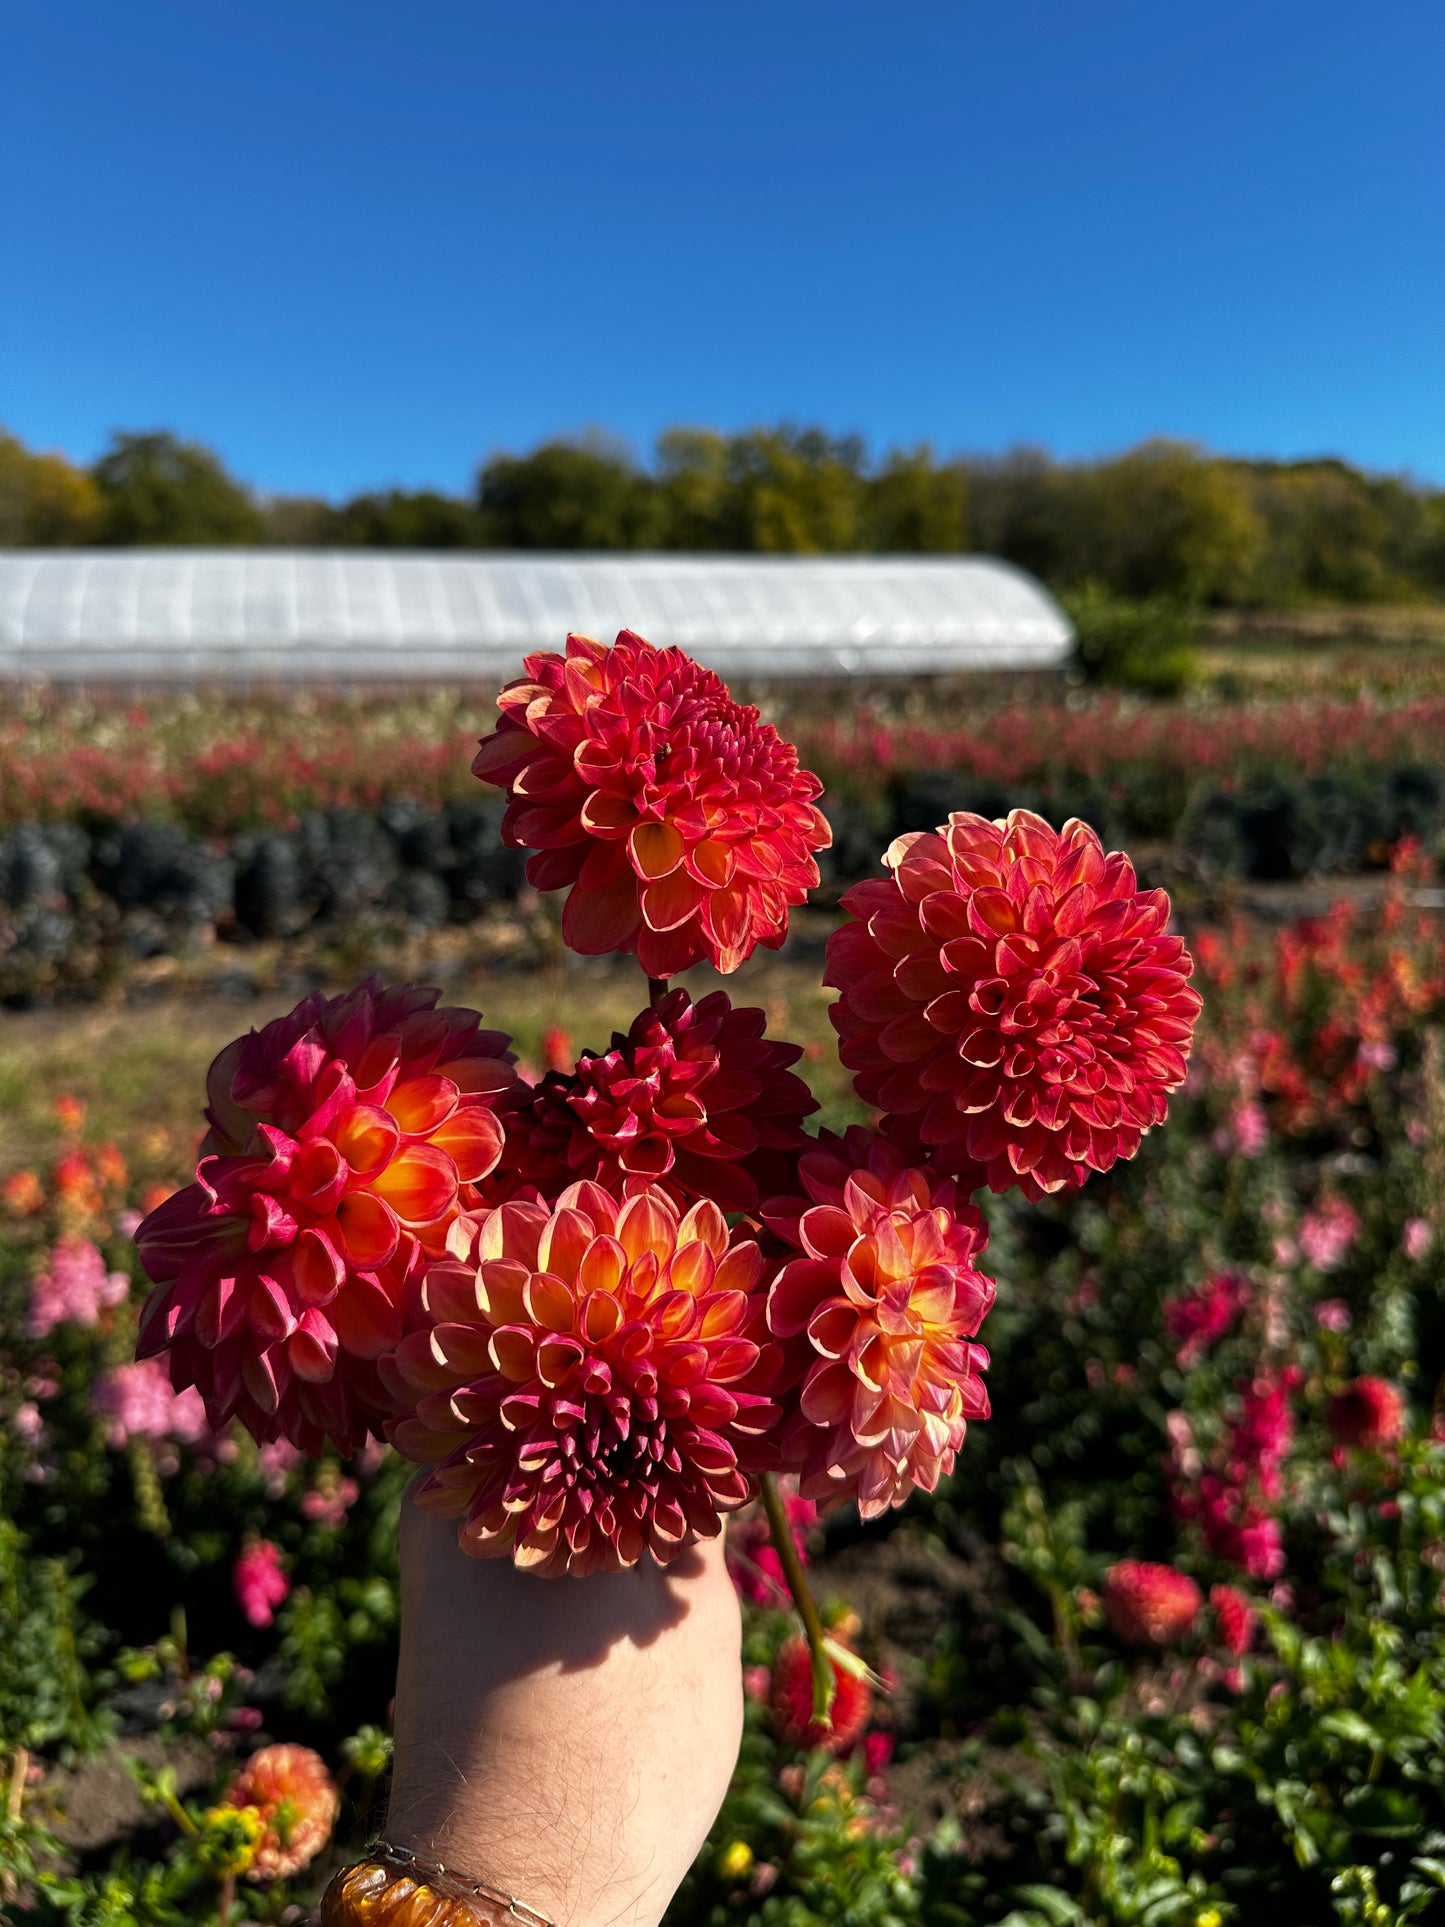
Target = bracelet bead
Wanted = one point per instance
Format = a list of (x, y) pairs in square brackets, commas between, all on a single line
[(372, 1895)]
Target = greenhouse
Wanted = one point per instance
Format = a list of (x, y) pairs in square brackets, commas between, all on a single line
[(261, 615)]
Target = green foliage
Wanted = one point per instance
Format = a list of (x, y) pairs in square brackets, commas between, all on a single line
[(567, 495), (155, 488), (1161, 524), (45, 1691), (801, 1849), (1144, 645), (45, 501)]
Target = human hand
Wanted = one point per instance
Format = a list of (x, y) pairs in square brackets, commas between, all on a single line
[(568, 1741)]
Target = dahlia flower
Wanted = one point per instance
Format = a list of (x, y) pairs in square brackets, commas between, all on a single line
[(877, 1314), (680, 821), (592, 1386), (1368, 1414), (1149, 1605), (345, 1140), (694, 1099), (289, 1787), (1012, 1001), (790, 1701)]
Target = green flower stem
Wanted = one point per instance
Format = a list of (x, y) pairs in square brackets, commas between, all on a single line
[(656, 990), (781, 1533)]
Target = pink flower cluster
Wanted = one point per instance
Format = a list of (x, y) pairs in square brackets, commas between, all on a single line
[(1231, 1499), (139, 1403), (1328, 1234), (1198, 1319), (75, 1288), (260, 1584)]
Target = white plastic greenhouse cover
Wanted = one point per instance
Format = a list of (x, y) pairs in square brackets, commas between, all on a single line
[(260, 615)]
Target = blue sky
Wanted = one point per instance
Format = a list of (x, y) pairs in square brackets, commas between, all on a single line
[(358, 245)]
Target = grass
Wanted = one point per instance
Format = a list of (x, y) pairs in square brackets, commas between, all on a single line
[(140, 1067)]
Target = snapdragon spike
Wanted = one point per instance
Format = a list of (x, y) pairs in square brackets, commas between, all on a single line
[(345, 1141), (678, 821), (877, 1314), (695, 1099), (592, 1384), (1012, 1001)]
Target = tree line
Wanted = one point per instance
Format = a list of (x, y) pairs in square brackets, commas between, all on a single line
[(1165, 519)]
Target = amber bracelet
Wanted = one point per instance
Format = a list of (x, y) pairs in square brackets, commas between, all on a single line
[(394, 1887)]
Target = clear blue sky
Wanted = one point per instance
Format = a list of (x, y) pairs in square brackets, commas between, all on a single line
[(351, 245)]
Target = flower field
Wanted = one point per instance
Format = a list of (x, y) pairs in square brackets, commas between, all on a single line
[(1167, 1646), (131, 831)]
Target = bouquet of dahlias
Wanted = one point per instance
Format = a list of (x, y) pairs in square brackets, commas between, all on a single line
[(609, 1308)]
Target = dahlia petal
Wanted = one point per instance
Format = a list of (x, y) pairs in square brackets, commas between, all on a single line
[(367, 1137), (656, 850), (366, 1320), (420, 1184), (596, 921), (671, 901), (311, 1348)]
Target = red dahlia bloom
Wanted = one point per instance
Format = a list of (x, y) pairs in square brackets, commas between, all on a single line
[(345, 1138), (877, 1313), (681, 821), (297, 1801), (1368, 1414), (790, 1701), (694, 1098), (1012, 1001), (1150, 1605), (593, 1386)]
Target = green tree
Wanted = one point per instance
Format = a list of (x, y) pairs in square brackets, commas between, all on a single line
[(917, 506), (399, 519), (567, 495), (155, 488), (45, 501)]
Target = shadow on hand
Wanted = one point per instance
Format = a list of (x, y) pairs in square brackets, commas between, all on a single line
[(527, 1624)]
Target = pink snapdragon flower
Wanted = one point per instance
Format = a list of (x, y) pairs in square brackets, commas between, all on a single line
[(139, 1402), (259, 1582), (1328, 1234), (75, 1289), (1416, 1239), (1198, 1319)]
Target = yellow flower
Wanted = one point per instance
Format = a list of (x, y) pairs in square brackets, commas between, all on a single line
[(735, 1860), (1211, 1917), (230, 1837)]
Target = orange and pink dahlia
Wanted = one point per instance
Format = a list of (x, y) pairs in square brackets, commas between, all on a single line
[(877, 1315), (593, 1385), (679, 822), (1012, 1001), (345, 1140), (296, 1800), (695, 1098)]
